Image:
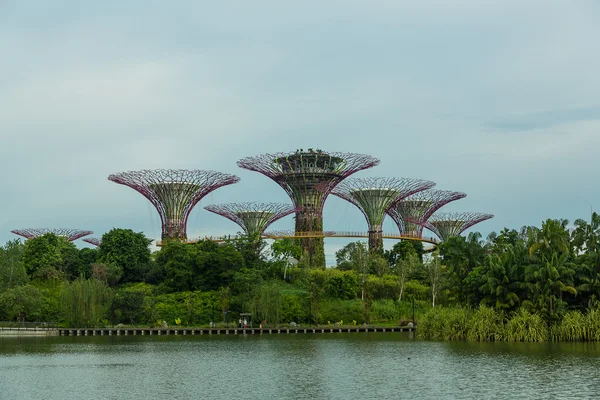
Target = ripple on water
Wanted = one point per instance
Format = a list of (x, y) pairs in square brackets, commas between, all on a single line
[(332, 366)]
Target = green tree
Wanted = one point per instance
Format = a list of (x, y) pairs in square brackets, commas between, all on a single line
[(435, 272), (128, 250), (20, 300), (215, 265), (42, 257), (461, 256), (176, 259), (403, 269), (85, 302), (586, 240), (12, 270)]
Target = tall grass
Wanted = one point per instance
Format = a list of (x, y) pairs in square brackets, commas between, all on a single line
[(486, 325), (444, 324), (482, 324), (526, 327), (575, 327)]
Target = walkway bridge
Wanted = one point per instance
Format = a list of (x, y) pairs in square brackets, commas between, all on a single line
[(324, 234), (12, 328)]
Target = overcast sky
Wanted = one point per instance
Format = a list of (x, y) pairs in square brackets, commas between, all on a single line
[(499, 99)]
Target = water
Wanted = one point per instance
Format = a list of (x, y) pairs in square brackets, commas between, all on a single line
[(323, 366)]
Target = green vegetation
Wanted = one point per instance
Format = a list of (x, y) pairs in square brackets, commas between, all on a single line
[(536, 284)]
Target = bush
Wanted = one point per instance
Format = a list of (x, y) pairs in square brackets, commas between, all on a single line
[(526, 327), (486, 325), (384, 311), (444, 324), (342, 310)]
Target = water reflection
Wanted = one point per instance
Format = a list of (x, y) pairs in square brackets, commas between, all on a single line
[(302, 366)]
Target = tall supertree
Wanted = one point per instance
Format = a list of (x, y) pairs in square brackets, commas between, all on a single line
[(69, 234), (419, 207), (93, 240), (374, 196), (447, 225), (253, 218), (298, 173), (174, 193)]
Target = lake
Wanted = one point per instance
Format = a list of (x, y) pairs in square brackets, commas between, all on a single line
[(298, 366)]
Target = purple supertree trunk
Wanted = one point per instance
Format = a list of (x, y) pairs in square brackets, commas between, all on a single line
[(374, 196), (299, 173), (174, 193), (411, 213), (69, 234)]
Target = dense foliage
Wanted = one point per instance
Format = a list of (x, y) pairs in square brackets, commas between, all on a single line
[(538, 283)]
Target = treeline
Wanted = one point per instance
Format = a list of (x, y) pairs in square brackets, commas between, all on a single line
[(550, 272)]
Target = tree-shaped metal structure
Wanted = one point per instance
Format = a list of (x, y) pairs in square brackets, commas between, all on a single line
[(253, 217), (298, 173), (93, 240), (447, 225), (174, 193), (69, 234), (419, 207), (374, 196)]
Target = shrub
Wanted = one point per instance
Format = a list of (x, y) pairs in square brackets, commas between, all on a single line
[(526, 327), (486, 325)]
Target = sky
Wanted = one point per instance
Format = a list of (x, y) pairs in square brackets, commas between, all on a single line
[(498, 99)]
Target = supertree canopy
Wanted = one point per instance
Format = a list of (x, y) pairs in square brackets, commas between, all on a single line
[(93, 240), (174, 193), (447, 225), (253, 218), (419, 207), (298, 173), (69, 234), (374, 196)]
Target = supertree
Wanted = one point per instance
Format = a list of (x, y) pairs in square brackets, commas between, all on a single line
[(69, 234), (93, 240), (374, 196), (447, 225), (419, 207), (253, 217), (174, 193), (298, 173)]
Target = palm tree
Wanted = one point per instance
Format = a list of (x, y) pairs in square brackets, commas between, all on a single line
[(586, 240)]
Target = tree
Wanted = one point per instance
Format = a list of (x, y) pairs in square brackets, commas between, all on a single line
[(551, 271), (345, 256), (586, 240), (461, 256), (129, 304), (215, 265), (51, 257), (110, 274), (285, 251), (401, 250), (128, 250), (21, 300), (12, 270), (434, 271), (404, 267), (176, 260), (85, 302)]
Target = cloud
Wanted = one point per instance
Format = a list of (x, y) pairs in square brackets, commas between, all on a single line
[(431, 88)]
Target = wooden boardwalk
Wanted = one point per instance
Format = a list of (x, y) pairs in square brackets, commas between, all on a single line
[(221, 331)]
